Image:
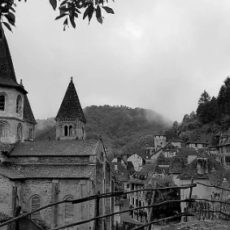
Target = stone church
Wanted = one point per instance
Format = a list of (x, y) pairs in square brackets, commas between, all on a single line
[(36, 173)]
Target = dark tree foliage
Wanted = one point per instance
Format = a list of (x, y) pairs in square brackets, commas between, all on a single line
[(208, 111), (223, 99), (204, 98), (69, 11), (163, 195)]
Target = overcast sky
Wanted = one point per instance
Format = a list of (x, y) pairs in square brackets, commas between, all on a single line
[(155, 54)]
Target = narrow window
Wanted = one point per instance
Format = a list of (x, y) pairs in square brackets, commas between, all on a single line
[(35, 204), (19, 104), (4, 128), (19, 132), (30, 133), (66, 130), (69, 208), (70, 130), (2, 102)]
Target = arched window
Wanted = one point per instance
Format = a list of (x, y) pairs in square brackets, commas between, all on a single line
[(2, 102), (19, 104), (35, 203), (66, 130), (19, 132), (69, 208), (4, 129), (70, 130)]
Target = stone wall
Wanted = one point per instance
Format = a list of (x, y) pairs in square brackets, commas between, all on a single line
[(6, 196)]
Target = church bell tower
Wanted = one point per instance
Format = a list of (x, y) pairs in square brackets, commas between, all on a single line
[(70, 120)]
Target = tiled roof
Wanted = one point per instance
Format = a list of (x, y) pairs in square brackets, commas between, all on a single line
[(70, 109), (7, 73), (27, 111), (56, 148), (40, 171)]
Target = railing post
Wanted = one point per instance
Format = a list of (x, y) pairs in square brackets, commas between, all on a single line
[(151, 209), (97, 211), (190, 197)]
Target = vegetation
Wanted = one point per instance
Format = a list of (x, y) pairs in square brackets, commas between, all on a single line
[(124, 129), (212, 116), (160, 196), (69, 10)]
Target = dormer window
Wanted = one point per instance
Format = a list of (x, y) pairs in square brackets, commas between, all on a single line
[(2, 102), (19, 104)]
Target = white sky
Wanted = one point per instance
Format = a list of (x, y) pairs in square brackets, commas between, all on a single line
[(155, 54)]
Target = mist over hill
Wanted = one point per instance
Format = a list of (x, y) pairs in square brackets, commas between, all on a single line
[(117, 125)]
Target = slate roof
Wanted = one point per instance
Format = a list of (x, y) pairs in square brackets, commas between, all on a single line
[(27, 111), (43, 172), (70, 109), (56, 148), (7, 73)]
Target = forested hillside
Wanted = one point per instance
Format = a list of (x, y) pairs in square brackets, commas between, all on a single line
[(211, 117), (119, 126)]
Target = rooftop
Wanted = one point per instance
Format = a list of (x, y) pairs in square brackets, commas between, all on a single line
[(54, 148)]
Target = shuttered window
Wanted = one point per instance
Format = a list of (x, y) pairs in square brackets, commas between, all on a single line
[(69, 208), (35, 204)]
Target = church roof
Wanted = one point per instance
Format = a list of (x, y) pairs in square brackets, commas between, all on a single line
[(21, 172), (7, 73), (56, 148), (70, 109), (27, 111)]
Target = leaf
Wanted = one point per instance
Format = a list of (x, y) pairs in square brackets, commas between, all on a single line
[(11, 18), (60, 16), (89, 12), (71, 18), (98, 14), (53, 4), (7, 26), (108, 9)]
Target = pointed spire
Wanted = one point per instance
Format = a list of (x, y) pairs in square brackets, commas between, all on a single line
[(7, 73), (70, 109)]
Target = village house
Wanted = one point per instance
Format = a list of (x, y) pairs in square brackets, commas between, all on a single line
[(36, 173)]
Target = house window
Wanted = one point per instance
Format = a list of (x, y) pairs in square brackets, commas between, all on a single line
[(19, 132), (35, 204), (66, 130), (4, 128), (19, 104), (69, 208), (2, 102), (70, 130)]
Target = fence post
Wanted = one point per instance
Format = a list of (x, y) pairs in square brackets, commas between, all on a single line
[(189, 204), (97, 211), (151, 209)]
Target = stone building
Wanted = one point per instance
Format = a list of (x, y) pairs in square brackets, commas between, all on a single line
[(36, 173)]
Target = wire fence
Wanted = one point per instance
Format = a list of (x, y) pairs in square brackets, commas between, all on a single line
[(197, 207)]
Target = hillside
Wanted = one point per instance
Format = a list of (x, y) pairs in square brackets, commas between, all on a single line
[(119, 126), (212, 117)]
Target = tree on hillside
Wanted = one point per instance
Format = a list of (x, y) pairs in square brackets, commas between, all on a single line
[(223, 99), (69, 10), (204, 98), (208, 111)]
